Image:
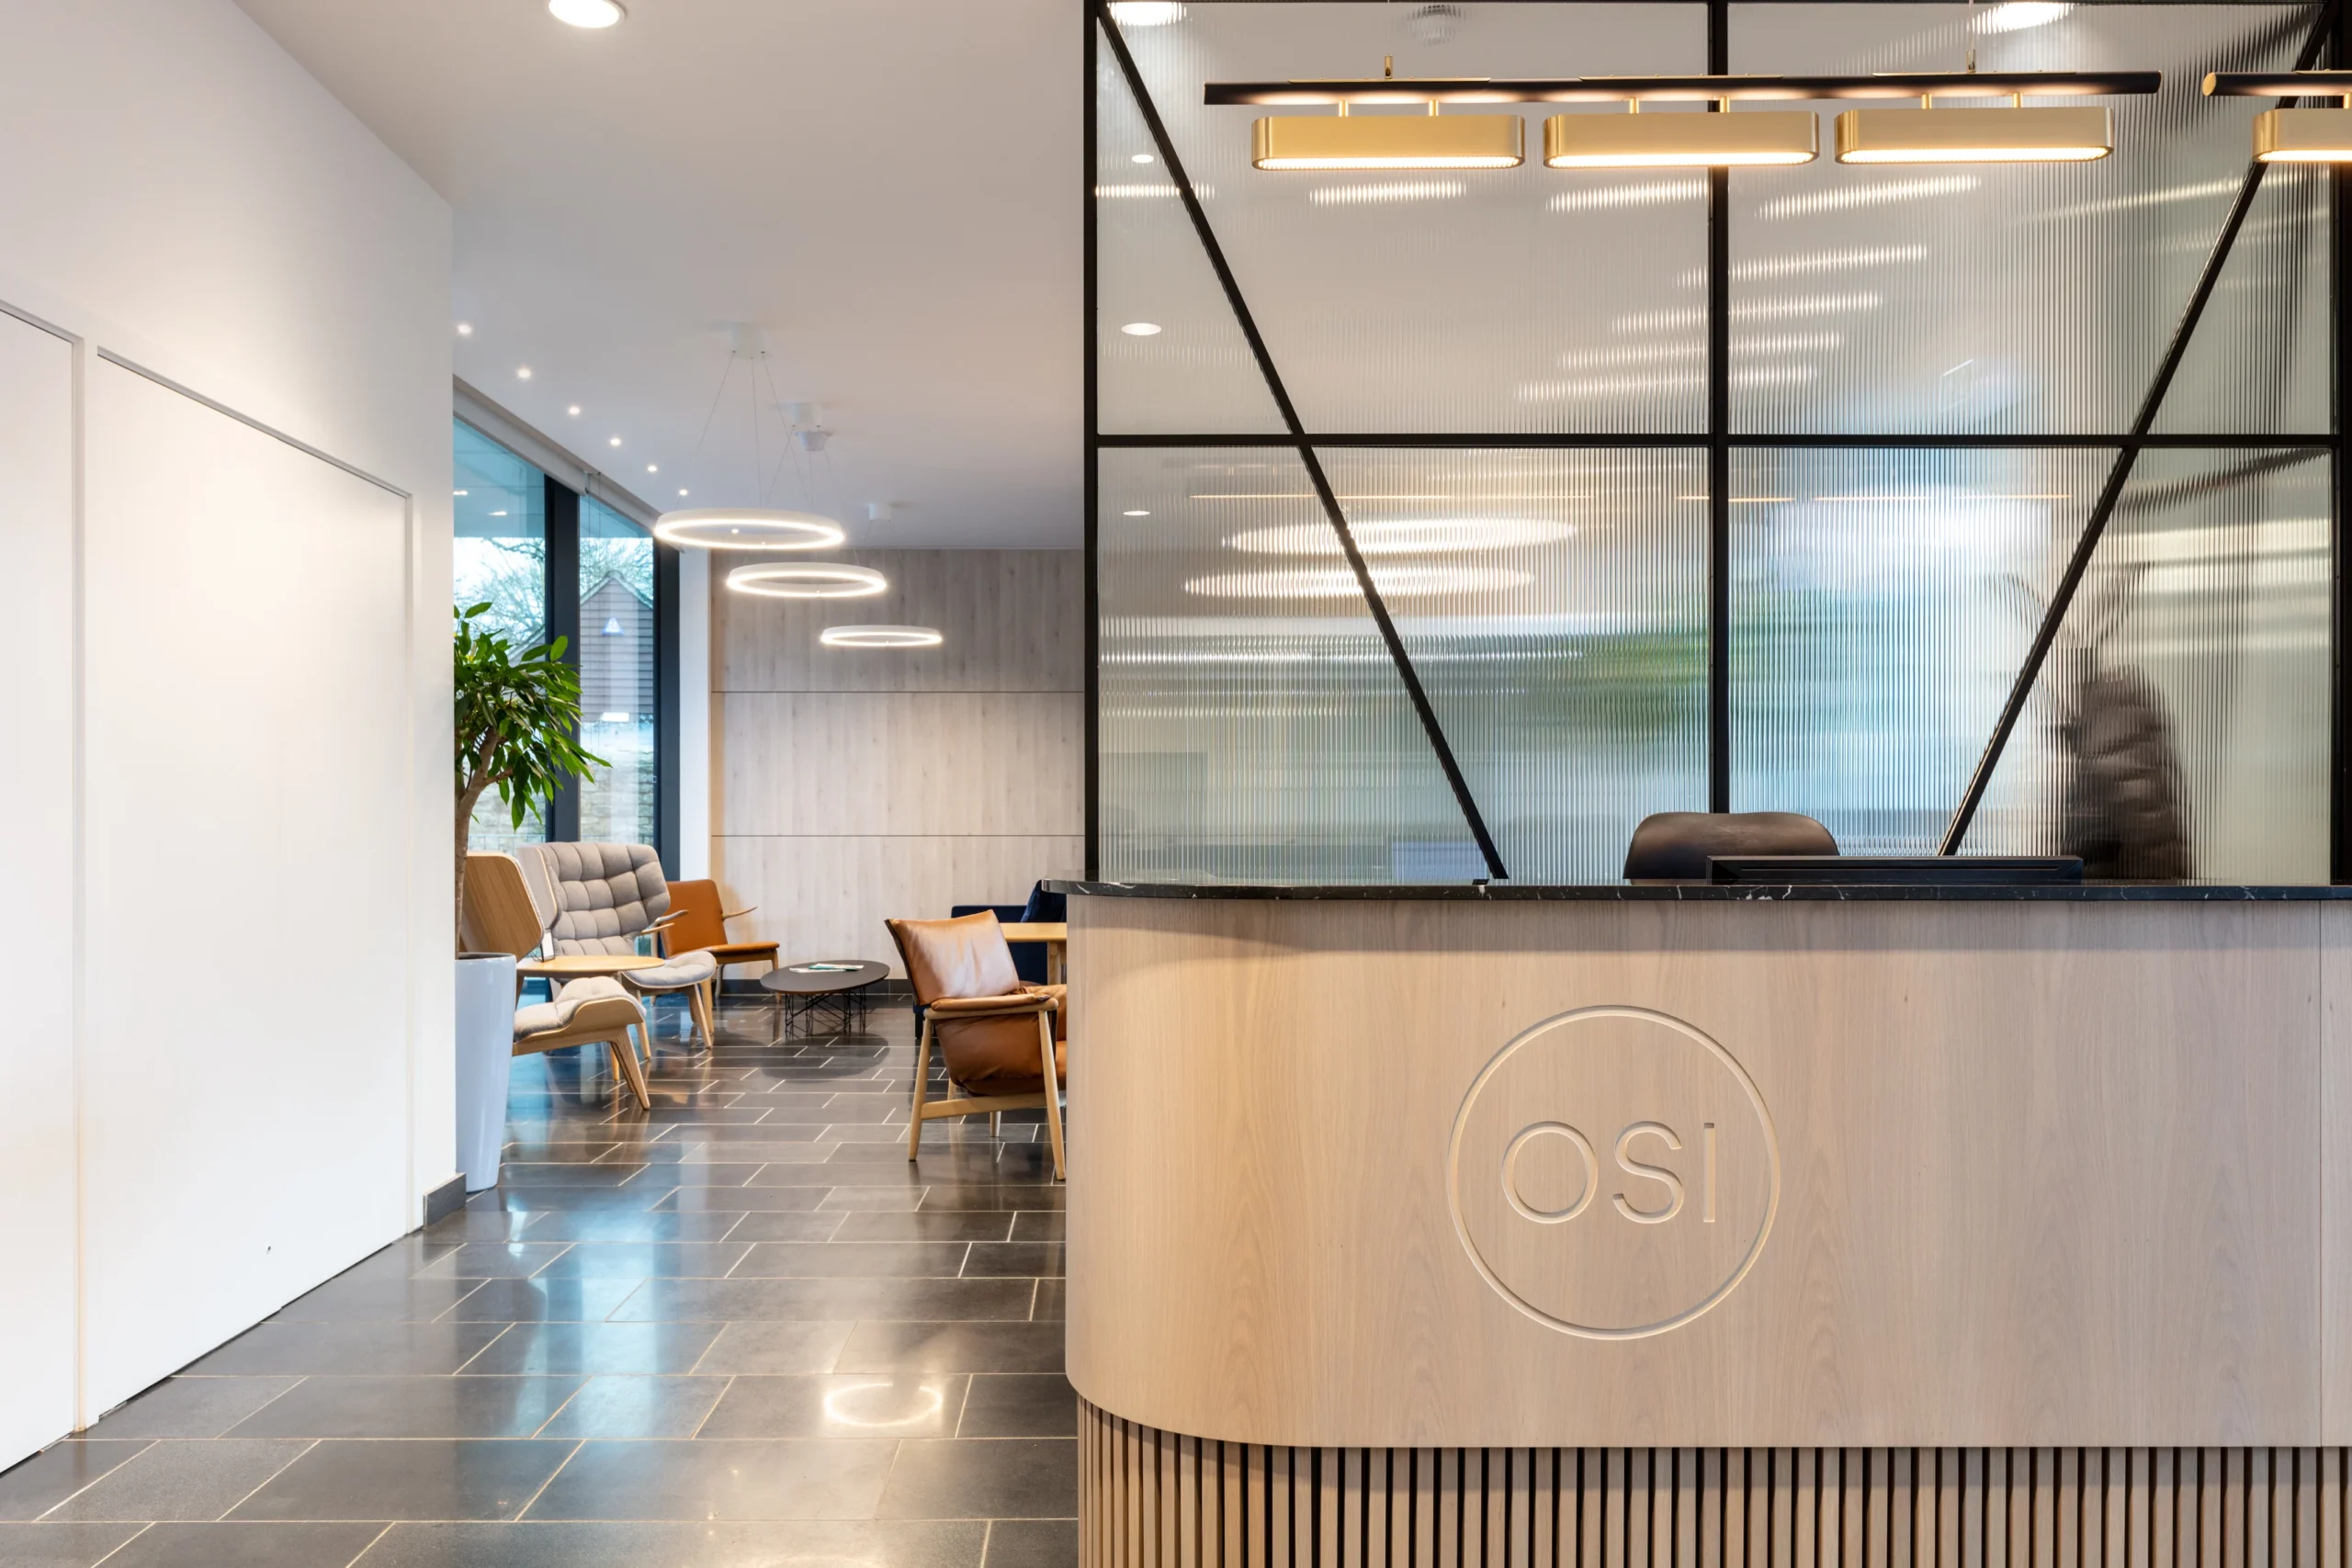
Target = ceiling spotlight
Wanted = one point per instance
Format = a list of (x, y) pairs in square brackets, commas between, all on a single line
[(1146, 13), (1638, 141), (617, 440), (1347, 140), (464, 329), (880, 637), (1134, 514), (1141, 329), (681, 492), (573, 410), (498, 514), (1139, 158), (746, 528), (652, 468), (2013, 135), (586, 13), (522, 372), (458, 492), (807, 579)]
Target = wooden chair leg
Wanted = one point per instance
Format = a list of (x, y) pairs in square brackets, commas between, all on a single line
[(1053, 1090), (996, 1119), (625, 1067), (922, 1082), (698, 1006)]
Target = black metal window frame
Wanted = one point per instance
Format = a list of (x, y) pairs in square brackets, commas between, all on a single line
[(2329, 40)]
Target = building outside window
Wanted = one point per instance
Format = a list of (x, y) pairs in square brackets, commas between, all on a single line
[(500, 555), (616, 685)]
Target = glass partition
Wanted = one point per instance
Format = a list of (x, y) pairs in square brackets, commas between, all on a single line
[(615, 659), (1920, 397)]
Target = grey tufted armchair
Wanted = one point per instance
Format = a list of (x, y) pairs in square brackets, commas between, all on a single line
[(600, 898)]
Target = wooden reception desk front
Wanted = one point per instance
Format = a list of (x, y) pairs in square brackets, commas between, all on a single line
[(1634, 1227)]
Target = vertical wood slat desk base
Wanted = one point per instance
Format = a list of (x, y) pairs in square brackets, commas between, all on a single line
[(1154, 1499)]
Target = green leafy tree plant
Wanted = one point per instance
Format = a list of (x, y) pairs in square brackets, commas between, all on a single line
[(517, 726)]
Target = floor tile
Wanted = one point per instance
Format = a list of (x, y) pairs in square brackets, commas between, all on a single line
[(902, 1404), (1017, 1478), (497, 1259), (570, 1225), (1040, 1224), (637, 1407), (972, 1225), (953, 1347), (832, 1259), (793, 1544), (637, 1260), (756, 1347), (1000, 1196), (476, 1224), (1006, 1258), (1052, 1300), (542, 1301), (412, 1407), (62, 1546), (727, 1300), (191, 1407), (247, 1546), (734, 1200), (895, 1199), (1024, 1404), (413, 1348), (808, 1226), (1033, 1544), (714, 1173), (377, 1301), (174, 1480), (642, 1349), (703, 1480), (430, 1479), (33, 1486), (522, 1176)]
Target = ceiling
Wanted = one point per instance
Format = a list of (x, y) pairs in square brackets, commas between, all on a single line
[(889, 188)]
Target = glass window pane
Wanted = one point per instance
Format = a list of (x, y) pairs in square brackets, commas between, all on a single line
[(500, 555), (2181, 724), (2024, 298), (616, 676)]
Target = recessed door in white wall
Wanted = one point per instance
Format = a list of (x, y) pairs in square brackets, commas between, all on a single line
[(37, 925), (247, 738)]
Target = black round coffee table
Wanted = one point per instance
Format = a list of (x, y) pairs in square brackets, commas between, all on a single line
[(801, 989)]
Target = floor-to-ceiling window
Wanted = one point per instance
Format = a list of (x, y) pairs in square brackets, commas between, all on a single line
[(499, 558), (552, 562)]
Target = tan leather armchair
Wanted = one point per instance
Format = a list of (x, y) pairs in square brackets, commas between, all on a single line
[(1005, 1043)]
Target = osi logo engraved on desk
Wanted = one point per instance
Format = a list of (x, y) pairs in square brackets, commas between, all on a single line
[(1613, 1173)]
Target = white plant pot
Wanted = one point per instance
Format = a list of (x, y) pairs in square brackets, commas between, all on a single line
[(485, 1062)]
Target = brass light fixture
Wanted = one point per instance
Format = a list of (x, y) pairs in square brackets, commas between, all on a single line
[(1388, 142), (2289, 135), (2012, 135), (1636, 140)]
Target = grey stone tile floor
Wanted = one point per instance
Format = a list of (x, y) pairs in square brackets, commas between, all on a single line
[(740, 1331)]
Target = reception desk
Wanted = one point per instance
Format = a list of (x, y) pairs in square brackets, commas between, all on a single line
[(1638, 1226)]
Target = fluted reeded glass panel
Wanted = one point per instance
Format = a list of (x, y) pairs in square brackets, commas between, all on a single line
[(1253, 727), (2257, 361), (1508, 300), (1191, 371), (2018, 298), (2181, 726), (1554, 607), (1881, 601)]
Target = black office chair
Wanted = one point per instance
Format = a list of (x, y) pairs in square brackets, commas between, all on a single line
[(1673, 846)]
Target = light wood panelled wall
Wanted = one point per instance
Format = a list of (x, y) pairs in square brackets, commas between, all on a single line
[(852, 786)]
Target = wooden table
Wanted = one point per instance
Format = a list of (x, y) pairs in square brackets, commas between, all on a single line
[(1055, 934)]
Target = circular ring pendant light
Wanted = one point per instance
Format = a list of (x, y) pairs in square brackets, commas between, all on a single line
[(746, 528), (807, 579), (880, 637)]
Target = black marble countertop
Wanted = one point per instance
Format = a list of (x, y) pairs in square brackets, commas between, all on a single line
[(1702, 892)]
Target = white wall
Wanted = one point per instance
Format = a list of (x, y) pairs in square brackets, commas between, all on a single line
[(233, 684)]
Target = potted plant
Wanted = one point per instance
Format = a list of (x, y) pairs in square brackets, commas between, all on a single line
[(517, 724)]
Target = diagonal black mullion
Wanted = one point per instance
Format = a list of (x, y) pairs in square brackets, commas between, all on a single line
[(1306, 453), (2118, 475)]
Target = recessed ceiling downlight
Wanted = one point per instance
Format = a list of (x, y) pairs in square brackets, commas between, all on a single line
[(807, 579), (586, 13), (746, 528), (880, 637), (1141, 329)]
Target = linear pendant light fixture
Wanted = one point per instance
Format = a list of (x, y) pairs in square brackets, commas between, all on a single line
[(2294, 135), (1388, 142), (1927, 134), (1638, 141)]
